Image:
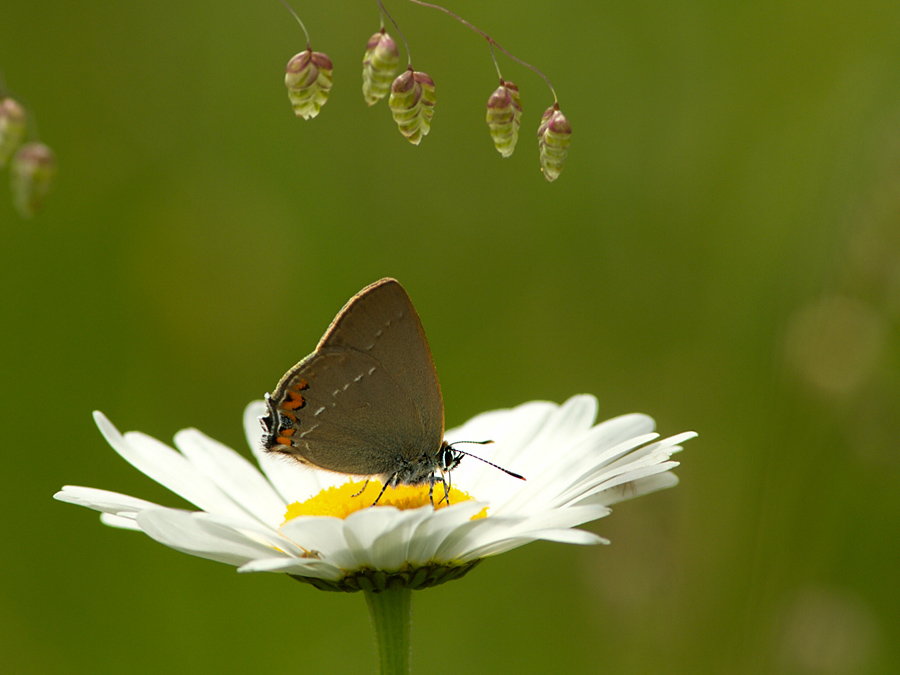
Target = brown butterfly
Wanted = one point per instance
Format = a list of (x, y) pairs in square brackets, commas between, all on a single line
[(367, 401)]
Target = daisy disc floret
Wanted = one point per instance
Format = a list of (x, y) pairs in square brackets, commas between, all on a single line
[(317, 526)]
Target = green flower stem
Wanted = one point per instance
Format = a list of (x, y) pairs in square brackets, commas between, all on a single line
[(390, 612)]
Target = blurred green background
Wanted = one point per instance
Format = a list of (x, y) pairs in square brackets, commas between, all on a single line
[(722, 252)]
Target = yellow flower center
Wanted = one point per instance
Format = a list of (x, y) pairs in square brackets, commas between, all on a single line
[(342, 500)]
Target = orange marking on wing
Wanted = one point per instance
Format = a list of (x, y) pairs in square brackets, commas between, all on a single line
[(302, 384), (296, 401), (287, 432), (291, 416)]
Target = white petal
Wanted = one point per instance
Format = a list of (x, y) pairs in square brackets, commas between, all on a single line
[(102, 500), (482, 532), (570, 536), (117, 510), (633, 489), (623, 482), (473, 534), (565, 423), (167, 467), (511, 430), (581, 537), (234, 475), (322, 534), (432, 532), (389, 549), (186, 532), (577, 468), (601, 466), (380, 537), (611, 476), (630, 471), (121, 522), (568, 517), (598, 446), (566, 447), (667, 446), (224, 526), (317, 569)]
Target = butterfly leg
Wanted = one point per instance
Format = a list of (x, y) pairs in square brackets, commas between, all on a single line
[(363, 490), (386, 485), (446, 496), (448, 483)]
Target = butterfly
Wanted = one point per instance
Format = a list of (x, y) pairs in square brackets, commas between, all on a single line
[(367, 401)]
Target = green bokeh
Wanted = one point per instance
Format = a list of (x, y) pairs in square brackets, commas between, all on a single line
[(722, 252)]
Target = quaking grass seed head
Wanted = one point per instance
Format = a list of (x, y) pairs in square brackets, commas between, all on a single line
[(379, 65), (412, 104), (554, 134), (308, 80), (12, 128), (32, 172), (504, 116)]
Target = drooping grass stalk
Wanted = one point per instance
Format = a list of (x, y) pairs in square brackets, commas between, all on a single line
[(399, 32), (291, 10), (491, 41)]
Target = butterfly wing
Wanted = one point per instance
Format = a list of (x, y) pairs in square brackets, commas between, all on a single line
[(368, 398)]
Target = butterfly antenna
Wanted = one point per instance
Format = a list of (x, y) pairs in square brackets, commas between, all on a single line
[(481, 459)]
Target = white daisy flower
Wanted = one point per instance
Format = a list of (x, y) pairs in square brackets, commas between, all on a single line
[(318, 527)]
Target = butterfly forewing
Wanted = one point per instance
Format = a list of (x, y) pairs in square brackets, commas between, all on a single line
[(381, 321)]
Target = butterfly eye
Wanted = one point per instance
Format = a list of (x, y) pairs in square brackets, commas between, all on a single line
[(450, 458)]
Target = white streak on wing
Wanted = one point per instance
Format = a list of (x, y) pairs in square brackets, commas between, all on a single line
[(312, 428)]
